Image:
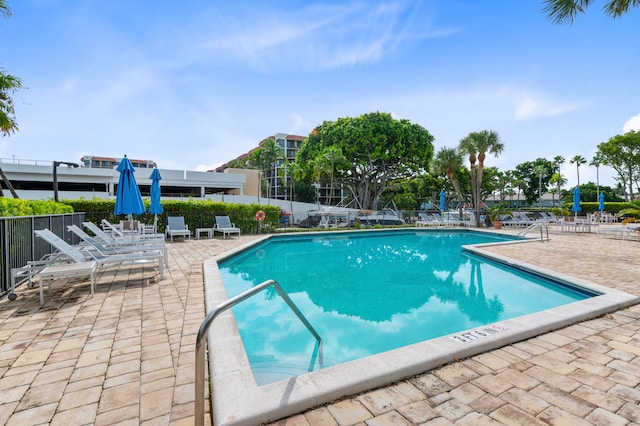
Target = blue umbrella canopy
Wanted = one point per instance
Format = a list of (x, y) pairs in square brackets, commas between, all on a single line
[(576, 201), (155, 207), (601, 205), (442, 206), (128, 198)]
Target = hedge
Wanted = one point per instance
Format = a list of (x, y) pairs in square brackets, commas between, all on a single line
[(197, 213)]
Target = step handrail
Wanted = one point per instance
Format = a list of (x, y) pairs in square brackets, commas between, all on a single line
[(534, 226), (201, 340)]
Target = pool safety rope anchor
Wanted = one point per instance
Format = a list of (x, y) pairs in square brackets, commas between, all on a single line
[(260, 215)]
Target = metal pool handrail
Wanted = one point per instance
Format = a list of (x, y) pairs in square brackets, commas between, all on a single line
[(533, 226), (204, 327)]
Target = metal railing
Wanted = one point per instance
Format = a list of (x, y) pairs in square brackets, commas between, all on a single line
[(18, 244), (204, 327), (541, 225)]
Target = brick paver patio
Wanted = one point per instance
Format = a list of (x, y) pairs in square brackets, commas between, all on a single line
[(126, 355)]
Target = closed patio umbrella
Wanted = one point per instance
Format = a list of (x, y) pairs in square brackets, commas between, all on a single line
[(128, 198), (601, 205), (442, 206), (576, 201), (155, 207)]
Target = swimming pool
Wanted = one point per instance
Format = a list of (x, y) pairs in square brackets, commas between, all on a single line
[(369, 293), (237, 398)]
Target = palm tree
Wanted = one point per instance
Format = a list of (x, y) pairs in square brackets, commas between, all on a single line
[(447, 161), (558, 180), (597, 161), (8, 86), (480, 143), (263, 159), (558, 160), (561, 11), (578, 160), (333, 156), (539, 170)]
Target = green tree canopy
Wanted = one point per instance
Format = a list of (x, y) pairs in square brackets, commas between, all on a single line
[(378, 152), (622, 153), (530, 181)]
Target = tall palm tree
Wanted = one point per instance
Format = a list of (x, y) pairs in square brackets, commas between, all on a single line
[(596, 161), (333, 156), (479, 144), (578, 160), (448, 161), (558, 160), (539, 170)]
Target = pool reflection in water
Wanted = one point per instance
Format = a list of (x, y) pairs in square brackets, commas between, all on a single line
[(367, 293)]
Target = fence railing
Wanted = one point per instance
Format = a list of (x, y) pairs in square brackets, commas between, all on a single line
[(18, 244)]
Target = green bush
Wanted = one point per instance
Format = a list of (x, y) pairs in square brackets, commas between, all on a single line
[(17, 207), (592, 206)]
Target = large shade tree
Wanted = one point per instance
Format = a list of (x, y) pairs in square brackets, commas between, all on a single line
[(565, 11), (530, 180), (622, 153), (378, 152), (477, 145)]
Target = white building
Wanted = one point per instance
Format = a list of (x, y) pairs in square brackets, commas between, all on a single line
[(34, 180)]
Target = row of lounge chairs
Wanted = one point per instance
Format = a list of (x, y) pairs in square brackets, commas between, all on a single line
[(448, 219), (513, 219), (103, 246), (96, 251)]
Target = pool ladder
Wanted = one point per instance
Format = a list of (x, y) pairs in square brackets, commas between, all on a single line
[(204, 327), (541, 225)]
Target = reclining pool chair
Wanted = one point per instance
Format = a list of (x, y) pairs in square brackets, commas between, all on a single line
[(177, 227), (104, 248), (225, 226), (83, 254)]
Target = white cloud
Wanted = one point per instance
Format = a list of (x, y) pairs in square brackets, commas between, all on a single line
[(534, 106), (632, 124), (333, 36)]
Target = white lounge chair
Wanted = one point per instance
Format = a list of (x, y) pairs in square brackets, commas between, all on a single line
[(83, 254), (116, 231), (225, 226), (101, 247), (112, 239), (428, 220), (177, 227)]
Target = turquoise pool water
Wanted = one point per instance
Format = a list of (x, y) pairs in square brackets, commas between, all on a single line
[(370, 292)]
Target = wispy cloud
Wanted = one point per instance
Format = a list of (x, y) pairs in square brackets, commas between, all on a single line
[(530, 106), (320, 36)]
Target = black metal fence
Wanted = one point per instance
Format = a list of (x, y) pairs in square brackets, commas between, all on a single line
[(18, 243)]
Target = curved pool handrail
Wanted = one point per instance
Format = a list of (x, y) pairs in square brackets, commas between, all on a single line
[(201, 340)]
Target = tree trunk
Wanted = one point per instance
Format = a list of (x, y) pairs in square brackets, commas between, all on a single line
[(8, 183)]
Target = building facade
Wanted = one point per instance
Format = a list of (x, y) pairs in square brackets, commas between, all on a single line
[(277, 181), (33, 180)]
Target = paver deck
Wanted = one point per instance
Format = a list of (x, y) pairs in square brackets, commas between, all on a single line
[(126, 355)]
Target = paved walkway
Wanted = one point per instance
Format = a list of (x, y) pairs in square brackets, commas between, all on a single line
[(125, 355)]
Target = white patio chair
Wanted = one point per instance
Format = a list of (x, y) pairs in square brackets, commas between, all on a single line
[(225, 226), (177, 227)]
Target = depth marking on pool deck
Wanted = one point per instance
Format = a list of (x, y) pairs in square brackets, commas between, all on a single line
[(478, 333)]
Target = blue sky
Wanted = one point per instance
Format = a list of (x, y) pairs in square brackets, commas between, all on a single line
[(193, 84)]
